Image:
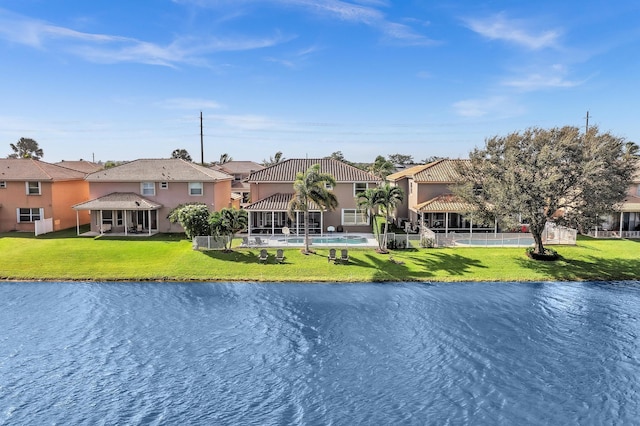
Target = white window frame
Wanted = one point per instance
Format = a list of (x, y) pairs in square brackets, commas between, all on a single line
[(146, 186), (164, 185), (31, 214), (355, 213), (355, 188), (3, 184), (28, 188), (196, 189)]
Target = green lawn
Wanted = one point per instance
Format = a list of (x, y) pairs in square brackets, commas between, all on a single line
[(64, 256)]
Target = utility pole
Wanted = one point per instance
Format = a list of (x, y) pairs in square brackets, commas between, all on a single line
[(201, 141), (586, 129)]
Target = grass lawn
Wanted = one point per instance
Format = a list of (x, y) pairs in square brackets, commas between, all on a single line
[(64, 256)]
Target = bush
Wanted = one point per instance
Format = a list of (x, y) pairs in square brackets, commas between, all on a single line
[(548, 255)]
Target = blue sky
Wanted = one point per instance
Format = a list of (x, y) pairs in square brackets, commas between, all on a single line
[(120, 80)]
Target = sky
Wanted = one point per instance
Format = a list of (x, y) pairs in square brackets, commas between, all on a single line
[(120, 80)]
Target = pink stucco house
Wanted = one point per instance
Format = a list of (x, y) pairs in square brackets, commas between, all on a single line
[(137, 197), (272, 188), (31, 190)]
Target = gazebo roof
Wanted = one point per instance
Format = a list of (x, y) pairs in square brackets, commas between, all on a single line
[(119, 201)]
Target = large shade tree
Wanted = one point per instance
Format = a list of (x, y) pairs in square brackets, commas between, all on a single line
[(539, 174), (311, 187), (226, 223), (26, 148)]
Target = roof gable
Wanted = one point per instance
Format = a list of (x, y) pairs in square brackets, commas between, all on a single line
[(27, 169), (158, 170), (287, 170)]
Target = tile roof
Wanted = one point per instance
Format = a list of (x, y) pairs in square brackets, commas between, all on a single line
[(631, 203), (81, 166), (277, 203), (118, 201), (441, 171), (158, 170), (286, 171), (23, 169), (238, 167), (442, 204)]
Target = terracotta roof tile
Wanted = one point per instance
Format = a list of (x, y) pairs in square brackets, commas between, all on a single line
[(81, 166), (286, 171), (158, 170), (442, 204), (275, 203), (238, 167)]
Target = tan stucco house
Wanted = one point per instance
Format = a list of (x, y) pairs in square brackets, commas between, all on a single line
[(240, 170), (31, 190), (137, 197), (272, 188)]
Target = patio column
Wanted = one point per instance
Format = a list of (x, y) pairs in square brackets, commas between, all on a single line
[(621, 219), (249, 223), (495, 226), (470, 229), (273, 223), (100, 223), (149, 216), (446, 222), (321, 223), (126, 225), (77, 223)]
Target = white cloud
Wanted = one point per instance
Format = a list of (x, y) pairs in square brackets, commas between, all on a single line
[(498, 106), (106, 48), (498, 27), (553, 77)]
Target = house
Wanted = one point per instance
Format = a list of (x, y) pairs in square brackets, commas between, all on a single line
[(429, 201), (138, 196), (83, 166), (625, 223), (272, 189), (240, 170), (32, 190)]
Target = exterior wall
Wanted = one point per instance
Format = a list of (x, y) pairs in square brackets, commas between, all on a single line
[(402, 210), (64, 196), (15, 196), (427, 191), (343, 191), (634, 189), (217, 195)]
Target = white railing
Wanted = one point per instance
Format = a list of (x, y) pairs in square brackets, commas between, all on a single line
[(614, 234)]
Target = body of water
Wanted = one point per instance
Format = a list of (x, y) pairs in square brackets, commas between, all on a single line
[(319, 354), (327, 240)]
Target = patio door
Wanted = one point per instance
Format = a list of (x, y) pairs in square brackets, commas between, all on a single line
[(143, 219)]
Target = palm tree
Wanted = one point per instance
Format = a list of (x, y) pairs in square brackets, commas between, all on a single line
[(385, 198), (311, 186), (368, 200), (389, 197), (227, 222)]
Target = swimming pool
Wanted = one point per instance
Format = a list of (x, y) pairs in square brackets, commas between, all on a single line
[(353, 240)]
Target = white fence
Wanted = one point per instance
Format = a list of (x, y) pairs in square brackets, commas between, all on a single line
[(552, 234), (614, 234), (44, 226), (209, 242)]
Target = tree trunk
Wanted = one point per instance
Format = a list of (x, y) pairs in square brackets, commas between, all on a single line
[(306, 231), (537, 238)]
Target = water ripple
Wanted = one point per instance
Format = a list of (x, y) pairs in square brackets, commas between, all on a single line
[(280, 354)]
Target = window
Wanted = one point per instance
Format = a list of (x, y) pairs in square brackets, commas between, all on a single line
[(119, 218), (148, 188), (3, 184), (359, 187), (29, 215), (164, 185), (33, 188), (328, 186), (355, 217), (195, 188), (237, 177), (107, 216), (637, 189)]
